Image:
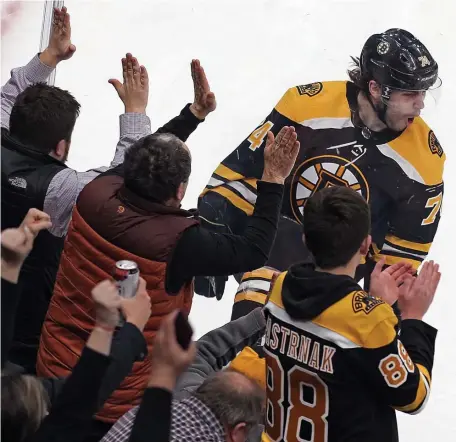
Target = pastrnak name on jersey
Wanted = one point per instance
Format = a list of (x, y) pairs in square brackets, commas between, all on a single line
[(299, 347)]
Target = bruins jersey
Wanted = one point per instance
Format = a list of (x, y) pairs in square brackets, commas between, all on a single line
[(399, 175), (338, 364), (253, 291)]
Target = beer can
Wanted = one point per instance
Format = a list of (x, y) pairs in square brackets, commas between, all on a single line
[(126, 275)]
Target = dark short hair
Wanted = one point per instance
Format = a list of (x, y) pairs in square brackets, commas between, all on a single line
[(336, 222), (356, 76), (43, 115), (156, 165), (233, 398)]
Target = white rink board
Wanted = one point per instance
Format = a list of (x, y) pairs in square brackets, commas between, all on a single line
[(252, 52)]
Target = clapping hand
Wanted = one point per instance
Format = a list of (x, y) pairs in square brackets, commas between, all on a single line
[(134, 91), (204, 102), (60, 46), (280, 155), (417, 293), (385, 284)]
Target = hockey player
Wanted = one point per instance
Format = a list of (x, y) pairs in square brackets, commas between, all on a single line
[(365, 134), (338, 362)]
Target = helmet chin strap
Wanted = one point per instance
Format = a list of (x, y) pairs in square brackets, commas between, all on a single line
[(380, 110)]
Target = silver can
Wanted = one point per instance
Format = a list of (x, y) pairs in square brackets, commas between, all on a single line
[(126, 275)]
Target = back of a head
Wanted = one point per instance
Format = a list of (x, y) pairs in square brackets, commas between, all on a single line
[(24, 406), (336, 222), (42, 116), (156, 165), (233, 398)]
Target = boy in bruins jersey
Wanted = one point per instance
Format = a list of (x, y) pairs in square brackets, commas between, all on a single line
[(365, 134), (338, 361)]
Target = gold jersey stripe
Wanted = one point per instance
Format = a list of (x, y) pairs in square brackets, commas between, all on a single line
[(232, 197), (425, 372), (413, 146), (260, 298), (421, 393), (276, 292), (251, 182), (262, 272), (390, 260), (228, 174), (370, 330), (421, 247)]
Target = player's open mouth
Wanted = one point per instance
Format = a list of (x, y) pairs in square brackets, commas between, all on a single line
[(410, 120)]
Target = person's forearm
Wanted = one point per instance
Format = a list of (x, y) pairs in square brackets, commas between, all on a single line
[(34, 72), (77, 401), (262, 226), (133, 127), (128, 346), (162, 377), (200, 252), (218, 348), (183, 125), (10, 273), (10, 297), (100, 340), (153, 420), (419, 341)]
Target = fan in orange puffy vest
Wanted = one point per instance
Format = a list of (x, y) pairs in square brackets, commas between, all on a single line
[(150, 230)]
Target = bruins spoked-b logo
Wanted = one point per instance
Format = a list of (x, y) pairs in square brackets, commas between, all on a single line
[(324, 171), (311, 89), (434, 144), (363, 302)]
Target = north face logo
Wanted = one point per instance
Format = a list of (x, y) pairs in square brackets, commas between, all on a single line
[(18, 182)]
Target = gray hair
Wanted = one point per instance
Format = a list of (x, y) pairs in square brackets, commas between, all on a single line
[(233, 398), (24, 405)]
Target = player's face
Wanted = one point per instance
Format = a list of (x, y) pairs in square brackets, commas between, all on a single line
[(403, 107)]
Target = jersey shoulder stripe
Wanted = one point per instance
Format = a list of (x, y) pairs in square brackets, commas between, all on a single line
[(255, 286), (314, 101), (357, 320), (419, 148)]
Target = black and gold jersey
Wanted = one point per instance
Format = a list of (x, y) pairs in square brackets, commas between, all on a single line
[(338, 363), (399, 175), (253, 292)]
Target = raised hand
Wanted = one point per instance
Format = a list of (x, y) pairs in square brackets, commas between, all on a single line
[(17, 243), (137, 309), (134, 91), (280, 155), (417, 293), (204, 102), (60, 46), (169, 359), (385, 283), (107, 301)]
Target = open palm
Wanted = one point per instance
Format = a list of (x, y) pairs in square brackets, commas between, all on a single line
[(385, 283)]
